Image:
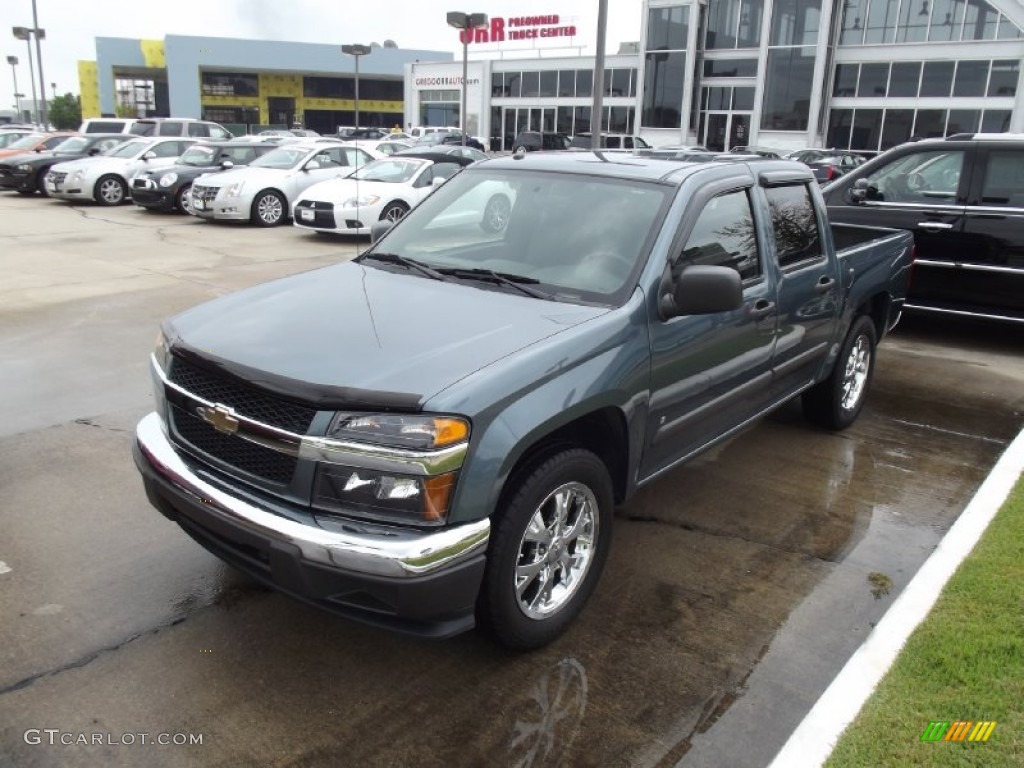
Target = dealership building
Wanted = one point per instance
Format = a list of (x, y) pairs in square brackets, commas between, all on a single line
[(862, 74)]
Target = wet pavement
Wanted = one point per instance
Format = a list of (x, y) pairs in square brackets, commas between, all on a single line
[(736, 588)]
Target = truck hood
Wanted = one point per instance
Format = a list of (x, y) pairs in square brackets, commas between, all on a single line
[(349, 336)]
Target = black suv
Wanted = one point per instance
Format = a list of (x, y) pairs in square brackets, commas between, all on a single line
[(25, 173), (963, 197), (534, 141)]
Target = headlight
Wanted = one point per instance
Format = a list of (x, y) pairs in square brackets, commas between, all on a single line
[(356, 202), (234, 190), (167, 179), (384, 495), (414, 432), (25, 168), (76, 176), (162, 352)]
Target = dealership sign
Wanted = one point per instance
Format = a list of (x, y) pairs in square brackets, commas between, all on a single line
[(500, 29)]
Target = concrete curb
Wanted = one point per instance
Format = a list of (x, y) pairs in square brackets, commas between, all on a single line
[(814, 739)]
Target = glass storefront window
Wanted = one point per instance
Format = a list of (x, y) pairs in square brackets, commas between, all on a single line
[(963, 121), (845, 83), (795, 22), (722, 19), (980, 21), (873, 79), (995, 121), (854, 13), (1008, 30), (668, 28), (840, 121), (913, 26), (616, 82), (787, 92), (513, 84), (563, 122), (663, 89), (897, 127), (905, 78), (881, 25), (1003, 81), (751, 13), (549, 83), (730, 68), (930, 123), (497, 84), (867, 129), (531, 85), (947, 19), (567, 83), (937, 79), (581, 117), (970, 78), (743, 98), (584, 83)]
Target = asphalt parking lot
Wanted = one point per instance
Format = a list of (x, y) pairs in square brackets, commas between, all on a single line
[(736, 588)]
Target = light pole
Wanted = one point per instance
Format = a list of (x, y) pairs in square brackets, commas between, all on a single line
[(356, 51), (24, 33), (13, 61), (466, 22), (40, 34), (596, 108)]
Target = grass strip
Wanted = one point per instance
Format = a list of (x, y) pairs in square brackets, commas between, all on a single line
[(965, 662)]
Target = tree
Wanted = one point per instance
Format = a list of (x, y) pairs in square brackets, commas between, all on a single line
[(126, 110), (66, 112)]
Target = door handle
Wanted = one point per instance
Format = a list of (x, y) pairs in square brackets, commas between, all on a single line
[(934, 226), (824, 283), (761, 308)]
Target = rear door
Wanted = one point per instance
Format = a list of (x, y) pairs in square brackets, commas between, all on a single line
[(710, 373), (990, 277)]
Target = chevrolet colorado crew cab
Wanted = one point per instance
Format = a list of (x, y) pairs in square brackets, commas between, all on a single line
[(434, 435)]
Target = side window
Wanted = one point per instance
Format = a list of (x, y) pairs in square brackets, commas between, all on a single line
[(53, 141), (355, 157), (198, 129), (425, 178), (724, 236), (215, 131), (920, 177), (1004, 179), (143, 129), (166, 149), (627, 142), (794, 224), (445, 170), (171, 128), (328, 159), (106, 144)]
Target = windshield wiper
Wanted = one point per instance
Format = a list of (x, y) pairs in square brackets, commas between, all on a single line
[(502, 278), (394, 258)]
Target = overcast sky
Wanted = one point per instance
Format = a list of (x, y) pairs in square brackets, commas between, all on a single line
[(72, 25)]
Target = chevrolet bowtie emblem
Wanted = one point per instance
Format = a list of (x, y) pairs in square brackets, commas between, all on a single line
[(220, 417)]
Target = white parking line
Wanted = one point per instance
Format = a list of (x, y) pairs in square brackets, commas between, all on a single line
[(816, 736)]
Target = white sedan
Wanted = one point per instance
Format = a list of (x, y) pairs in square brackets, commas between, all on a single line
[(384, 190), (263, 191), (104, 178)]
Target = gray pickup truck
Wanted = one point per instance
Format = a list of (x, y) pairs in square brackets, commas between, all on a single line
[(434, 435)]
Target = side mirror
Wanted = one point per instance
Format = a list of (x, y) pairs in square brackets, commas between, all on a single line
[(94, 151), (859, 191), (149, 155), (437, 181), (702, 290), (227, 165), (378, 229)]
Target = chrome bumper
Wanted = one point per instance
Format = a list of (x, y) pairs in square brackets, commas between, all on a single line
[(389, 552)]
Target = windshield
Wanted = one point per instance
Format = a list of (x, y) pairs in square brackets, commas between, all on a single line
[(74, 144), (26, 142), (581, 238), (395, 171), (199, 155), (283, 158), (128, 149)]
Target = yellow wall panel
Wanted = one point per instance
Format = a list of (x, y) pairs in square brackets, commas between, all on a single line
[(153, 53), (89, 87)]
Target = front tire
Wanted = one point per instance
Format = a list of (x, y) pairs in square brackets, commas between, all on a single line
[(836, 402), (393, 212), (268, 209), (110, 190), (183, 200), (548, 547)]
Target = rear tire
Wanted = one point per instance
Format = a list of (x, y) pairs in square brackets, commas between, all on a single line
[(548, 547), (836, 402)]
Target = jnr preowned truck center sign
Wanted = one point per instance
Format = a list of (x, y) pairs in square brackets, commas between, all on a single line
[(518, 28)]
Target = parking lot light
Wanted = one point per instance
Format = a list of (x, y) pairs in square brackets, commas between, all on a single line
[(466, 22), (356, 51), (13, 61)]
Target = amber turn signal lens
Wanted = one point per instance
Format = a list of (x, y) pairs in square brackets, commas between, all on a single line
[(448, 431), (438, 496)]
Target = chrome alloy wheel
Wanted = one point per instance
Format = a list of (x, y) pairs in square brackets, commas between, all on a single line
[(556, 550), (855, 377), (111, 191), (269, 209)]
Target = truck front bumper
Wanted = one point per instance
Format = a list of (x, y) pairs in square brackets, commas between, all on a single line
[(423, 583)]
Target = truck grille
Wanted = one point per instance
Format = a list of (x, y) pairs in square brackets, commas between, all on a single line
[(247, 401), (258, 461), (206, 194)]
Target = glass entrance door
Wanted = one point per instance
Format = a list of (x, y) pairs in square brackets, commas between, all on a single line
[(726, 130)]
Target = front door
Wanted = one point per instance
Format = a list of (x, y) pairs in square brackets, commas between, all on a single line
[(282, 111)]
